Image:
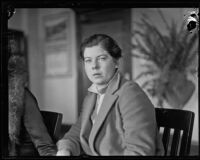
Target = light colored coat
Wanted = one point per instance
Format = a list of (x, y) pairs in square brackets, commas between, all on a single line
[(125, 125)]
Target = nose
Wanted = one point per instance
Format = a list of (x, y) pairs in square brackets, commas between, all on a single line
[(95, 64)]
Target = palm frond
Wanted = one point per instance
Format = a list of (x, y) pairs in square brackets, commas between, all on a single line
[(140, 56), (172, 53), (191, 59), (186, 50), (163, 19), (150, 83), (153, 29), (145, 73)]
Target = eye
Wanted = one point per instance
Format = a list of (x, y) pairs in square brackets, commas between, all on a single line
[(103, 58), (87, 60)]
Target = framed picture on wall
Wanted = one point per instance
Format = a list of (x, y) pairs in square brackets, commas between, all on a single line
[(57, 60)]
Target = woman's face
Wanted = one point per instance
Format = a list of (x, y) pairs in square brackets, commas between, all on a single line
[(99, 65)]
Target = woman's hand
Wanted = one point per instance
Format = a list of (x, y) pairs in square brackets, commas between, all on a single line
[(63, 153)]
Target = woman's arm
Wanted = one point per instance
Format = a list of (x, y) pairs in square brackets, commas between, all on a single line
[(70, 143), (36, 128)]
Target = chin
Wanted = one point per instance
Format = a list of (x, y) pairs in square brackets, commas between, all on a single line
[(99, 82)]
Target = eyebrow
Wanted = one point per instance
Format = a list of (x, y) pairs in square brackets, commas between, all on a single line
[(98, 56)]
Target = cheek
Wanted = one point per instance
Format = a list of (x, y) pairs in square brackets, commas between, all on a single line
[(87, 69), (109, 68)]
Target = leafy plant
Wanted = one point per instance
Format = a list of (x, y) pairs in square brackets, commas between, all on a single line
[(173, 56)]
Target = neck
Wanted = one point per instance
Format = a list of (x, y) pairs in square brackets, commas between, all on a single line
[(101, 86)]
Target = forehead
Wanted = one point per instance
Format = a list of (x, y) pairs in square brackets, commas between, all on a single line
[(94, 51)]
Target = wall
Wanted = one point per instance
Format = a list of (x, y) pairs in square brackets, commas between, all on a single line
[(178, 15), (53, 93)]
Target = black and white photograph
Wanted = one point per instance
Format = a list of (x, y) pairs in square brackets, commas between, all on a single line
[(100, 81)]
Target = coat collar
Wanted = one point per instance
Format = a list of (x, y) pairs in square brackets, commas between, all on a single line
[(93, 87), (109, 99)]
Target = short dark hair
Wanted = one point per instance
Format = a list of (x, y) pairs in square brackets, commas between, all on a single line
[(105, 41)]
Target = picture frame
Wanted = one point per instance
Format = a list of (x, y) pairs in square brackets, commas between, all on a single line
[(57, 50)]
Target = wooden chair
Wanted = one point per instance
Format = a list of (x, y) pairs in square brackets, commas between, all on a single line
[(53, 121), (177, 142)]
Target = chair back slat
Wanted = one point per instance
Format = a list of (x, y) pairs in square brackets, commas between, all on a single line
[(181, 121), (175, 142), (165, 139), (184, 142), (187, 136)]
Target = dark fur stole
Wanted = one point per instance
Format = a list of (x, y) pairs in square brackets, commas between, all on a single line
[(16, 84)]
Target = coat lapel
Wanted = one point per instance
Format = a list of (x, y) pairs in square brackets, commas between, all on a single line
[(107, 104), (86, 121)]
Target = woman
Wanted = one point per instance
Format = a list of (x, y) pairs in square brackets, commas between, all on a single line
[(117, 116)]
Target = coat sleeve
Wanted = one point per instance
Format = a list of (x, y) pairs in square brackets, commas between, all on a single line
[(71, 140), (139, 122), (36, 128)]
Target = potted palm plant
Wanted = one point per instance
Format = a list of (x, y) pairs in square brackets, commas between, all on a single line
[(172, 58)]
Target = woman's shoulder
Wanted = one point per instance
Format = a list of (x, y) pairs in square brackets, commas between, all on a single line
[(29, 95), (128, 86), (131, 92)]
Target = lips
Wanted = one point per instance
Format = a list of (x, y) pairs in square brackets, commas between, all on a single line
[(96, 74)]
